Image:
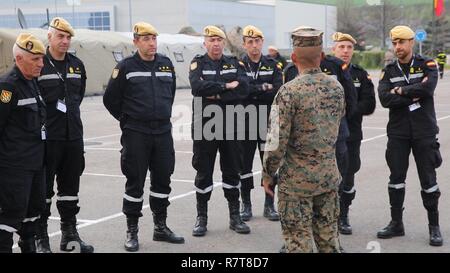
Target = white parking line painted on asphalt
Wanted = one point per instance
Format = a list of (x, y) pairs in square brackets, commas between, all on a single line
[(78, 220), (147, 178), (446, 117), (100, 137), (188, 152), (373, 138), (120, 214), (384, 135), (102, 149), (375, 128)]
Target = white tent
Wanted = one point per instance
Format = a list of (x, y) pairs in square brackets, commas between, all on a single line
[(99, 51)]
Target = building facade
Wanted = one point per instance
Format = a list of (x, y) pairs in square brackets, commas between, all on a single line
[(275, 17)]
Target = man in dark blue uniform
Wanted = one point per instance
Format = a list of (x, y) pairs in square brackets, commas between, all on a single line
[(63, 83), (218, 83), (140, 94), (343, 49), (407, 88), (22, 146), (265, 78)]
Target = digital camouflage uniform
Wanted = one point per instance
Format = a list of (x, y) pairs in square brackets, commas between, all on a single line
[(304, 125)]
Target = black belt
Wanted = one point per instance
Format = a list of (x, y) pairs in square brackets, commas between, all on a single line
[(153, 124)]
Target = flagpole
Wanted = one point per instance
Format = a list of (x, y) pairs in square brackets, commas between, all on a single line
[(433, 40)]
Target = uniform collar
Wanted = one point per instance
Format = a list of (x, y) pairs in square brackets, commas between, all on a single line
[(248, 60), (137, 56), (66, 56), (219, 60), (311, 71), (351, 67), (20, 74)]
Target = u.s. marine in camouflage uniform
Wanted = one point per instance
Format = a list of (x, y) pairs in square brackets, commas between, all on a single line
[(304, 125)]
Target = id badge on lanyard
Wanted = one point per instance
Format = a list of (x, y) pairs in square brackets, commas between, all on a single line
[(255, 75), (61, 104), (407, 79), (413, 107), (43, 133)]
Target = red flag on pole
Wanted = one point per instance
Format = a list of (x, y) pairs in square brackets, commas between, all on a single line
[(439, 7)]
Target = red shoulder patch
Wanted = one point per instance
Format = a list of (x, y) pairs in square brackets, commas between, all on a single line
[(431, 64)]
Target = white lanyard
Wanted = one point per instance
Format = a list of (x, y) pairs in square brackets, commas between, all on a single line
[(403, 73), (254, 76)]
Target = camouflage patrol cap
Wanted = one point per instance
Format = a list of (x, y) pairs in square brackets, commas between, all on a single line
[(304, 36), (143, 29), (61, 24), (252, 32), (211, 31), (31, 44), (402, 33), (341, 37)]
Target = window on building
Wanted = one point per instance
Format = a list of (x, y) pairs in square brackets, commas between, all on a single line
[(86, 20)]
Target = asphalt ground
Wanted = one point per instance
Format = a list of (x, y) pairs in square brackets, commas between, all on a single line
[(101, 223)]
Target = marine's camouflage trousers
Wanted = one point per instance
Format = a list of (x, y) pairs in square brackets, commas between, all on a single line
[(308, 218)]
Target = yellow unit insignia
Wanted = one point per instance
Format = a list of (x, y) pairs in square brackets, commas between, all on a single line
[(115, 73), (5, 96)]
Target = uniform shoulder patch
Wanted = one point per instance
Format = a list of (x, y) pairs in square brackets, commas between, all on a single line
[(5, 96), (344, 66), (115, 73), (382, 74), (369, 77), (431, 63), (280, 65), (194, 66), (357, 67), (241, 63)]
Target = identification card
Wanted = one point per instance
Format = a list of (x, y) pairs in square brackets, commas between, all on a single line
[(61, 106), (43, 134), (414, 107)]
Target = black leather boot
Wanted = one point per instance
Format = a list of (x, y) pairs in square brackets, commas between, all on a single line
[(27, 234), (70, 235), (433, 227), (202, 219), (236, 222), (162, 232), (132, 242), (345, 200), (435, 236), (395, 227), (42, 240), (246, 210), (343, 222), (344, 226), (6, 241), (27, 245), (269, 209)]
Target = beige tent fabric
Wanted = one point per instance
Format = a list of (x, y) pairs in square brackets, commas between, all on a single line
[(95, 49)]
